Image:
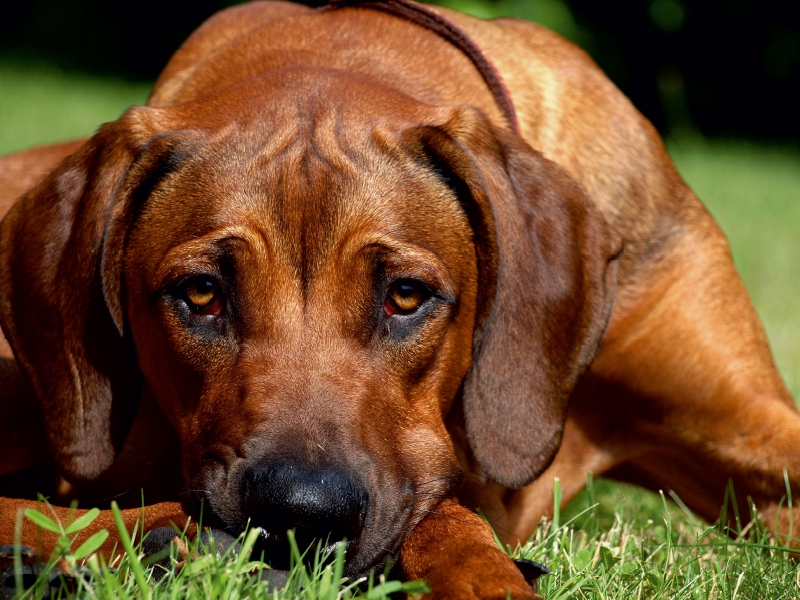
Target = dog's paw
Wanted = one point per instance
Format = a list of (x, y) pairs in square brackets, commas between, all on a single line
[(487, 575), (453, 550), (472, 589)]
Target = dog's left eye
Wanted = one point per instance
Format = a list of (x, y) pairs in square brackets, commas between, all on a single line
[(202, 295), (405, 296)]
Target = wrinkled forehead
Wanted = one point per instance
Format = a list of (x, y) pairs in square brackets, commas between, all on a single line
[(308, 186)]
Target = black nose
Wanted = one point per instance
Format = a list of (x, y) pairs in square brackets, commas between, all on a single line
[(318, 503)]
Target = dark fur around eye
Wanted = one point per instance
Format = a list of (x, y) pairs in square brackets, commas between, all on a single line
[(397, 323)]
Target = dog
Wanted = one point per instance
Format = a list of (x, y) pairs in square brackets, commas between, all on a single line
[(360, 273)]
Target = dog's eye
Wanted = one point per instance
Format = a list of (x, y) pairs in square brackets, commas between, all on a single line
[(405, 296), (202, 294)]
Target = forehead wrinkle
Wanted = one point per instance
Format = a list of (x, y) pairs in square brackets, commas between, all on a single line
[(305, 181), (307, 188), (206, 247), (294, 184)]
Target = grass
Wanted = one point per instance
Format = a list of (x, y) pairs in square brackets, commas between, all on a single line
[(671, 554), (202, 573), (614, 540), (41, 104)]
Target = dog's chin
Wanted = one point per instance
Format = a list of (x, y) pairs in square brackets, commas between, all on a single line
[(376, 547), (275, 550)]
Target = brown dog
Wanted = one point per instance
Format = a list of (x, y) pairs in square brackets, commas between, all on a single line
[(317, 279)]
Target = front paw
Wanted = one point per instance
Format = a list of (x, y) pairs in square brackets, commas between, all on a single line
[(479, 577), (453, 550)]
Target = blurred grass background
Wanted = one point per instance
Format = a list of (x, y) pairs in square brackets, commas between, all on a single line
[(41, 103), (747, 172)]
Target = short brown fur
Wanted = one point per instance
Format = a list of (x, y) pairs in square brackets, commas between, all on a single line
[(585, 316)]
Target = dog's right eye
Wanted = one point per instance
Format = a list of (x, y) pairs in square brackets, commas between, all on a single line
[(405, 297), (202, 295)]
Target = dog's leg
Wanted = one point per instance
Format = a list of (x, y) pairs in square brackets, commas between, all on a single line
[(515, 514), (44, 542), (453, 535), (683, 396)]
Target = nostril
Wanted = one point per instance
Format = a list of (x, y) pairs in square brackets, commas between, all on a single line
[(321, 503)]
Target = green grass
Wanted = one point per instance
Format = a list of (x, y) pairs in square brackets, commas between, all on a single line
[(623, 542), (202, 572), (40, 104), (661, 552)]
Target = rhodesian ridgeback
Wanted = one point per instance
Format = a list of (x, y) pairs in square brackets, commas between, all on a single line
[(359, 273)]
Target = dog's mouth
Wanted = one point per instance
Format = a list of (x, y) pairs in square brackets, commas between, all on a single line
[(370, 551), (283, 540), (280, 551)]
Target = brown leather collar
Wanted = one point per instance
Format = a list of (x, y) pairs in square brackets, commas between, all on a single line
[(445, 28)]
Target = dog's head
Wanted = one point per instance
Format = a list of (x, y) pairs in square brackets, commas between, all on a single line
[(306, 272)]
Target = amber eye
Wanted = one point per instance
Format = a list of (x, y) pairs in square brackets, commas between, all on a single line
[(405, 296), (201, 292)]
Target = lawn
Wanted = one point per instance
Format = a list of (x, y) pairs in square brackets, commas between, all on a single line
[(613, 541), (40, 104)]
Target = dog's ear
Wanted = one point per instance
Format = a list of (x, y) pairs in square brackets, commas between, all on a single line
[(60, 305), (547, 264)]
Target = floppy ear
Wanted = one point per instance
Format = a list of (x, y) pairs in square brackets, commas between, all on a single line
[(547, 278), (60, 306)]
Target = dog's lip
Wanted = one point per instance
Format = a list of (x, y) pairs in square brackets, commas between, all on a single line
[(282, 538), (358, 564)]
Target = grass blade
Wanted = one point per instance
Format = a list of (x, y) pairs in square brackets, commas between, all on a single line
[(133, 559), (90, 545), (83, 522), (42, 521)]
